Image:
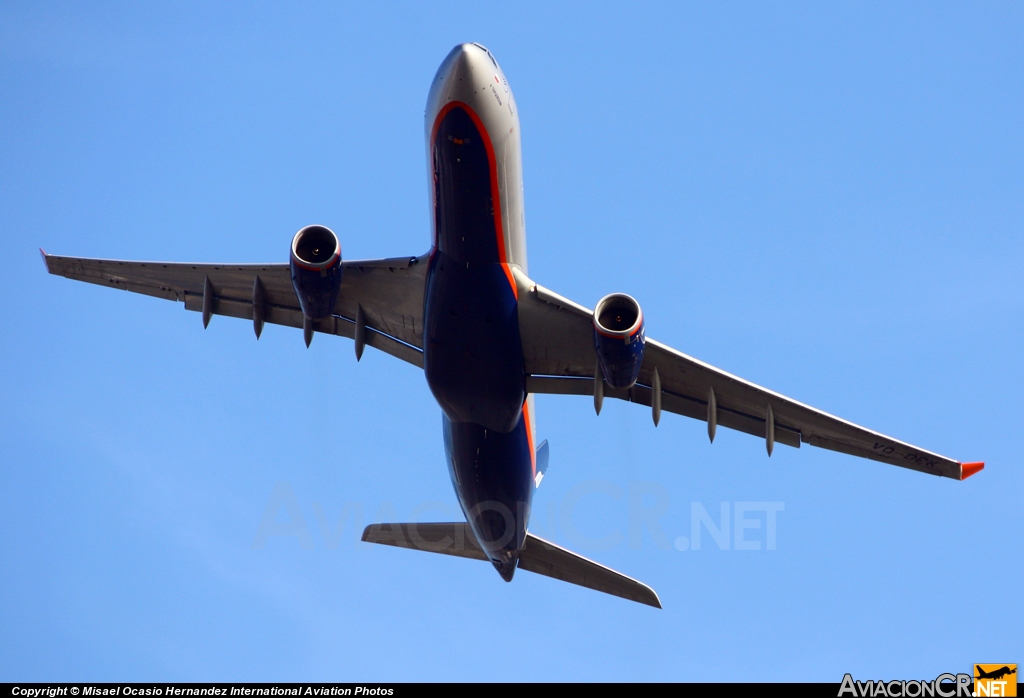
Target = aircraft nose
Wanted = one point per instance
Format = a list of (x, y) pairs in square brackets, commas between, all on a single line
[(467, 59)]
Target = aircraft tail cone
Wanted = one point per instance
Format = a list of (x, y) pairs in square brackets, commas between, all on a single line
[(506, 568)]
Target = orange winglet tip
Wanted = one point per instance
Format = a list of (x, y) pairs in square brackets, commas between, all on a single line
[(968, 469)]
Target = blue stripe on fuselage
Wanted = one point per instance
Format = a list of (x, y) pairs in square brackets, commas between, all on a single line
[(473, 358)]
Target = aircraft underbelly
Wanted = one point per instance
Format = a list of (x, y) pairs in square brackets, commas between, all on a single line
[(473, 358), (492, 476)]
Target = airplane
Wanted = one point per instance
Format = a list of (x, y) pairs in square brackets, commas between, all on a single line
[(489, 338), (996, 673)]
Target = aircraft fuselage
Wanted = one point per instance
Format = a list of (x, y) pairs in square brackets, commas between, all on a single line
[(473, 357)]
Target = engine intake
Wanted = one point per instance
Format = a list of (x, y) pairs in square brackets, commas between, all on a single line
[(316, 270), (619, 339)]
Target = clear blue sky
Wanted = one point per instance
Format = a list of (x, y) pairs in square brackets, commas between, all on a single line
[(827, 200)]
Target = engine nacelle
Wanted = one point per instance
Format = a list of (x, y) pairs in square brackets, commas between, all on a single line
[(619, 339), (316, 270)]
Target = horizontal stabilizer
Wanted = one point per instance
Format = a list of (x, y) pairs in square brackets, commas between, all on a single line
[(445, 538), (538, 556), (546, 558)]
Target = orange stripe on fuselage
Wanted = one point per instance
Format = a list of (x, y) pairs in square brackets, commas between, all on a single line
[(511, 279), (529, 434)]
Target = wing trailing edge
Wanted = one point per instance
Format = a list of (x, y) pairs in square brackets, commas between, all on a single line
[(386, 293)]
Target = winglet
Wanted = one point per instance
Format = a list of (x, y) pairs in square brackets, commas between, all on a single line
[(968, 469), (45, 260)]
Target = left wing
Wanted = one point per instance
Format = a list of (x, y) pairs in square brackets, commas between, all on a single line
[(388, 291), (558, 347)]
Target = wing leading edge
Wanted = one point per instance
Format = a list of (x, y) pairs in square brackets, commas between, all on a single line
[(388, 293), (557, 337)]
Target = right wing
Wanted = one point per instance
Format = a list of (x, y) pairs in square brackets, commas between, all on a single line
[(558, 347), (389, 292)]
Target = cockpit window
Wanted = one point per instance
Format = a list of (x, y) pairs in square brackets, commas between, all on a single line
[(484, 49)]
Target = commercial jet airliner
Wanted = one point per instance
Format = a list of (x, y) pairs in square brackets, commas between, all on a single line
[(488, 337)]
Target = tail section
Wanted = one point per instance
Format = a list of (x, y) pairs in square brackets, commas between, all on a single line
[(538, 556)]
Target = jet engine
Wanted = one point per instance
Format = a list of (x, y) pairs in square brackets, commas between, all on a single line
[(619, 339), (316, 270)]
